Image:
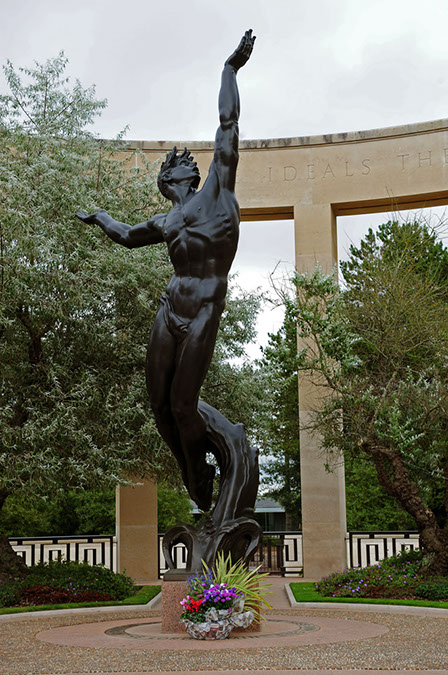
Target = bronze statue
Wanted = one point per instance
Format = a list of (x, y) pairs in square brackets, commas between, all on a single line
[(201, 232)]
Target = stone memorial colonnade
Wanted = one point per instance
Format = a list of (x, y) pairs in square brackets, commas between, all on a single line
[(312, 180)]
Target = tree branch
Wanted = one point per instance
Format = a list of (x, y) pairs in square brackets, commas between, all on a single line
[(35, 348)]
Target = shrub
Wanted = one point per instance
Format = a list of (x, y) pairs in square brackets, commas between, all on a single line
[(383, 579), (82, 577), (9, 593), (75, 582), (433, 589), (49, 595)]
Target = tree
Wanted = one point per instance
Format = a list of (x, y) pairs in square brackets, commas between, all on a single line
[(282, 468), (81, 512), (368, 505), (75, 309), (378, 350), (173, 507)]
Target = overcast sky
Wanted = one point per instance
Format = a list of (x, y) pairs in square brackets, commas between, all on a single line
[(318, 67)]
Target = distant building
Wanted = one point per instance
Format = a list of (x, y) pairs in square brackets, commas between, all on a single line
[(270, 514)]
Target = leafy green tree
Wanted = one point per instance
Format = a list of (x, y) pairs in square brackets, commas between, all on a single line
[(281, 470), (379, 352), (84, 512), (369, 506), (75, 309), (173, 507)]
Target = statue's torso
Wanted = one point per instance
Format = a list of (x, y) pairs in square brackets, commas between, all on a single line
[(202, 238)]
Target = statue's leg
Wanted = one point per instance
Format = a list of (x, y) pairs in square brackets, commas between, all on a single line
[(160, 368), (193, 360)]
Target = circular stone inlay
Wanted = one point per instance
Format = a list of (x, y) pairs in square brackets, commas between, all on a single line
[(279, 631), (151, 631)]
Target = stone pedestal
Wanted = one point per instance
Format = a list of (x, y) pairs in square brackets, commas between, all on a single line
[(174, 589)]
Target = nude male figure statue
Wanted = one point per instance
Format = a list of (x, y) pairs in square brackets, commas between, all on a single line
[(201, 232)]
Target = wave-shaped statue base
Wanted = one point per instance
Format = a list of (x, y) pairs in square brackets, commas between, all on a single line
[(231, 527)]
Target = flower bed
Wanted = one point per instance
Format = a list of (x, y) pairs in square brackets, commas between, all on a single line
[(399, 577), (61, 582)]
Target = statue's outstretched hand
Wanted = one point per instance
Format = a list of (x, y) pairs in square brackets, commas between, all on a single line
[(242, 53), (89, 219)]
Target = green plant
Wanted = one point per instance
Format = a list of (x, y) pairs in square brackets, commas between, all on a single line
[(46, 595), (433, 589), (9, 593), (306, 592), (398, 573), (243, 580), (81, 577)]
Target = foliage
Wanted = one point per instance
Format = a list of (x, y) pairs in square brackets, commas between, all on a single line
[(9, 593), (74, 310), (64, 513), (75, 579), (281, 470), (368, 505), (305, 592), (84, 512), (378, 352), (141, 597), (433, 589), (24, 517), (94, 510), (244, 581), (173, 507), (81, 576), (49, 595), (398, 573)]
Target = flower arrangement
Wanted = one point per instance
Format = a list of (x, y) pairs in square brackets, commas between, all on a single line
[(206, 595), (216, 599)]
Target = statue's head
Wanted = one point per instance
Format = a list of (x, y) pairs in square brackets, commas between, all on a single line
[(168, 174)]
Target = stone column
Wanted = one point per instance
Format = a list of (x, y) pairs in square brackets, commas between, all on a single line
[(136, 527), (323, 493)]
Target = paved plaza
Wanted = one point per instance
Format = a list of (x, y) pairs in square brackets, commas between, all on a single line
[(129, 640)]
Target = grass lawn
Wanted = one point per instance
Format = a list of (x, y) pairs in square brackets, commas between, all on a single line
[(142, 597), (305, 592)]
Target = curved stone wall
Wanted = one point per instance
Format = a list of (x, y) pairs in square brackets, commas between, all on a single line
[(312, 180)]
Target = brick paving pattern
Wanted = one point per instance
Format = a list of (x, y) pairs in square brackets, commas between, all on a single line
[(407, 642)]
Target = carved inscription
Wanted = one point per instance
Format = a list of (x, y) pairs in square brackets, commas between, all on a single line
[(289, 173), (322, 170)]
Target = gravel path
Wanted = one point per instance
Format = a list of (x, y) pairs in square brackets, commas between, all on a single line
[(411, 643)]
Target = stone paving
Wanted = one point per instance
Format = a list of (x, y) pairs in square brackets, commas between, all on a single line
[(118, 640)]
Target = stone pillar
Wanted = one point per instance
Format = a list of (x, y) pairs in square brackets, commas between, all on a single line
[(323, 493), (136, 527)]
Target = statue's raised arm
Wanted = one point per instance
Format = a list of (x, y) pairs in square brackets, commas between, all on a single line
[(226, 142), (242, 53)]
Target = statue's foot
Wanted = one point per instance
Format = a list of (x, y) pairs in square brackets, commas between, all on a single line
[(202, 488)]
